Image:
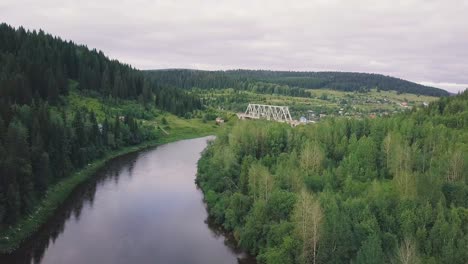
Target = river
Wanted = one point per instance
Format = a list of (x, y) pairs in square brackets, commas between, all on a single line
[(140, 208)]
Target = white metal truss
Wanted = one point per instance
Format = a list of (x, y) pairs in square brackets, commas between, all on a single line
[(269, 112)]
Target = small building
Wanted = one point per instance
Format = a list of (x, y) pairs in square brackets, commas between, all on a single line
[(404, 104), (302, 119), (295, 123), (219, 120), (425, 104)]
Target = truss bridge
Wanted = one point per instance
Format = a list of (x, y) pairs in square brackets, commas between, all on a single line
[(268, 112)]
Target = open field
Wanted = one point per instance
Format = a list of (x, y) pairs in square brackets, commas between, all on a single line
[(148, 116), (322, 101)]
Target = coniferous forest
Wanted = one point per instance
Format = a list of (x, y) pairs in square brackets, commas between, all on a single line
[(42, 141), (388, 190)]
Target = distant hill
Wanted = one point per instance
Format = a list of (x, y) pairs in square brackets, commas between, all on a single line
[(240, 79)]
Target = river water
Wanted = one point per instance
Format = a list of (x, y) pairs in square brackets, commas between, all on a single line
[(140, 208)]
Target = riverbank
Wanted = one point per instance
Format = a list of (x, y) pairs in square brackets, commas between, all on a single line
[(11, 238)]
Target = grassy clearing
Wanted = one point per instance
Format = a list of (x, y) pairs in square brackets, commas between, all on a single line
[(110, 107), (177, 126), (374, 94)]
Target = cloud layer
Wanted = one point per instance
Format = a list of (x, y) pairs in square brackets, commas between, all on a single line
[(425, 41)]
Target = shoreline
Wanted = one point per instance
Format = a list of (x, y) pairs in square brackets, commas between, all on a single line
[(12, 237)]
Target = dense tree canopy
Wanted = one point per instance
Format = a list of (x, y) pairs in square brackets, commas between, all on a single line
[(387, 190)]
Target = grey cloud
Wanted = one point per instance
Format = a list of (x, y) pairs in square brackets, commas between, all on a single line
[(423, 41)]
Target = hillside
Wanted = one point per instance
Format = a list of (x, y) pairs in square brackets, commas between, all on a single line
[(37, 66), (288, 82)]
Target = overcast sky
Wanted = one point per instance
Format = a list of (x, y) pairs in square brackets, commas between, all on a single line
[(425, 41)]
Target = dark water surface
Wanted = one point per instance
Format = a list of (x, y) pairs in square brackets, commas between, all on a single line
[(140, 208)]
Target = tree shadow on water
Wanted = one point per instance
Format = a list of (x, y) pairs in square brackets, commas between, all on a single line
[(33, 249)]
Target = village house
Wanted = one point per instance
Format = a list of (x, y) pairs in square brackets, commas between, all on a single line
[(219, 120)]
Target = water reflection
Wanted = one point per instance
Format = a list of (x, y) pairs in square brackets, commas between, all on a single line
[(141, 208)]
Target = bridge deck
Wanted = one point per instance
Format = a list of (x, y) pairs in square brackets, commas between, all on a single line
[(247, 116)]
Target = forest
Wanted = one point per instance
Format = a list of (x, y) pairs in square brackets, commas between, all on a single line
[(42, 139), (288, 82), (385, 190)]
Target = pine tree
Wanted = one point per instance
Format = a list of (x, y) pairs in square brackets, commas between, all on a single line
[(17, 169), (106, 81), (3, 181), (39, 160), (370, 251)]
